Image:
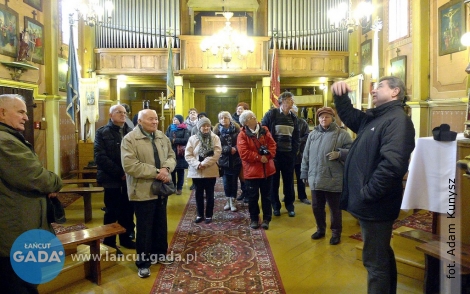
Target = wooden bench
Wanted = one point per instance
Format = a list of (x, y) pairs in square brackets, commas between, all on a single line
[(80, 182), (92, 237), (85, 173), (85, 192), (435, 252)]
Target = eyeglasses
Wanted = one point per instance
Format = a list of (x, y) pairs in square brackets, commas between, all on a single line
[(121, 112), (252, 118)]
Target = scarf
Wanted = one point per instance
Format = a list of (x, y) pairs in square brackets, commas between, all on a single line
[(206, 143), (227, 131), (255, 131), (173, 127)]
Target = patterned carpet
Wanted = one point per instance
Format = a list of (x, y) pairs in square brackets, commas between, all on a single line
[(229, 256), (60, 229), (421, 220), (68, 198)]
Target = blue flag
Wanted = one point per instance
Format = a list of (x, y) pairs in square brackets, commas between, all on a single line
[(73, 101), (170, 79)]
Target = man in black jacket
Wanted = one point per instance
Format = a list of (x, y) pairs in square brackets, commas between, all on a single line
[(111, 176), (284, 127), (373, 173)]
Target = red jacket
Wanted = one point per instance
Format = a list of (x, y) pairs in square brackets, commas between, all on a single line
[(248, 145)]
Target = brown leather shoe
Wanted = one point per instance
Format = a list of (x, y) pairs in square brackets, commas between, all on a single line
[(178, 192)]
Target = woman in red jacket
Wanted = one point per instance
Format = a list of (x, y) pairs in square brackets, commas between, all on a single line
[(257, 149)]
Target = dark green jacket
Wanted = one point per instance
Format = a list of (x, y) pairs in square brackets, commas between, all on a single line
[(24, 186)]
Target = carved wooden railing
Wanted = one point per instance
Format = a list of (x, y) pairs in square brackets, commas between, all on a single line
[(189, 59)]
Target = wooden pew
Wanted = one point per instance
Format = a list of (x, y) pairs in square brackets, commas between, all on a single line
[(80, 182), (85, 192), (435, 252), (85, 173), (92, 237)]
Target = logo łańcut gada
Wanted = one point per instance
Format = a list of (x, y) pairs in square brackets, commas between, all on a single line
[(37, 256)]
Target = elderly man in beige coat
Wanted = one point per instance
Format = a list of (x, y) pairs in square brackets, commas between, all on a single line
[(146, 155)]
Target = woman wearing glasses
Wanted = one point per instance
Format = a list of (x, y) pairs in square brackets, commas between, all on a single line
[(257, 149)]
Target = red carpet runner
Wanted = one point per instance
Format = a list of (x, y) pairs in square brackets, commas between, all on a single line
[(229, 257), (421, 220)]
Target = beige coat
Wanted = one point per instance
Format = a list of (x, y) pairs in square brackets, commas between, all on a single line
[(139, 163), (192, 157)]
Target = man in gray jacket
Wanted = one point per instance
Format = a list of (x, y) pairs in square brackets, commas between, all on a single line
[(146, 155)]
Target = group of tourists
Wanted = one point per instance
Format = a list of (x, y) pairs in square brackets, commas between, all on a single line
[(362, 177)]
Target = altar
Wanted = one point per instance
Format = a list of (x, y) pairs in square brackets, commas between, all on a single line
[(431, 172)]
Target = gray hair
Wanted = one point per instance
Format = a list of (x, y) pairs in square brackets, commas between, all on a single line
[(225, 114), (113, 108), (395, 82), (247, 114), (7, 98), (141, 113), (284, 96)]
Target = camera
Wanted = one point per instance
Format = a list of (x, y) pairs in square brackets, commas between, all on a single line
[(207, 154), (263, 150)]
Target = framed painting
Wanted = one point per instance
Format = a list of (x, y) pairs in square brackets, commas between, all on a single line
[(63, 68), (398, 67), (9, 24), (36, 37), (366, 21), (366, 54), (34, 3), (451, 24)]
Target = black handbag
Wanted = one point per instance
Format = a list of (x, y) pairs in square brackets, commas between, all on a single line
[(163, 189)]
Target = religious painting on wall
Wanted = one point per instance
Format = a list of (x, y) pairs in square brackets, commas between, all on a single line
[(63, 68), (366, 54), (34, 3), (366, 21), (398, 67), (451, 18), (36, 38), (8, 31)]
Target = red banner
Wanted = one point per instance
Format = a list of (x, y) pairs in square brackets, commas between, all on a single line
[(275, 78)]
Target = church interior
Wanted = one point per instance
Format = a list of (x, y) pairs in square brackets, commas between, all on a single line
[(175, 55)]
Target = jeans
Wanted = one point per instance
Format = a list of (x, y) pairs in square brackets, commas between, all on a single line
[(378, 257), (152, 230), (207, 185), (178, 183), (253, 187), (319, 200), (284, 164), (120, 209)]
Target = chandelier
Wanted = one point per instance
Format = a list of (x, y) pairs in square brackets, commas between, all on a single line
[(93, 13), (342, 18), (227, 42)]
